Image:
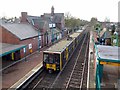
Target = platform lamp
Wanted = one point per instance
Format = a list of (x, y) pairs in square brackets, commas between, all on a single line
[(116, 36), (51, 27), (39, 39)]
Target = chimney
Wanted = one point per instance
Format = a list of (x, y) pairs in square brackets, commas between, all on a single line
[(24, 17)]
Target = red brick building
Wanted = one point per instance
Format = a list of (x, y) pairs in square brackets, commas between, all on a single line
[(18, 33)]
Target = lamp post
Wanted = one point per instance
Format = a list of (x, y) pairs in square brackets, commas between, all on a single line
[(116, 37), (52, 28), (39, 39)]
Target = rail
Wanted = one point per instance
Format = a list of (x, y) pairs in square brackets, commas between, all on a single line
[(82, 64)]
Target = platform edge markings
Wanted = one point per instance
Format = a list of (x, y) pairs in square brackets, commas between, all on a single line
[(26, 77), (90, 50)]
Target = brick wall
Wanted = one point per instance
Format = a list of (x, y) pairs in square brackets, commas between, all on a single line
[(7, 37), (33, 42)]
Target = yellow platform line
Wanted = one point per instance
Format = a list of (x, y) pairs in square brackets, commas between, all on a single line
[(110, 63)]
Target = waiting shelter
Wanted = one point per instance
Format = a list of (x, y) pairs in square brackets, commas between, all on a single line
[(11, 51), (105, 55)]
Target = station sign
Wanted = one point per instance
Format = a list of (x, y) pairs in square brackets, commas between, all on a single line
[(24, 50), (30, 46), (52, 25)]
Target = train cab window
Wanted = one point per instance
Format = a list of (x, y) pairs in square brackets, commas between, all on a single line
[(57, 58), (45, 57), (51, 59)]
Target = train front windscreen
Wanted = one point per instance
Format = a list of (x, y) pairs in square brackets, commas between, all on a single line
[(51, 61)]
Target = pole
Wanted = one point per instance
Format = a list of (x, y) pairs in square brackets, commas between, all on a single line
[(39, 38), (52, 34), (117, 39)]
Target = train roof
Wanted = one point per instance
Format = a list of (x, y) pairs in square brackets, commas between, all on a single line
[(79, 31), (61, 45), (74, 35), (58, 47)]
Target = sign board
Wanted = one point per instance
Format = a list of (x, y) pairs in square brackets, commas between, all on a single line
[(52, 25), (39, 37), (30, 46), (24, 50), (115, 41)]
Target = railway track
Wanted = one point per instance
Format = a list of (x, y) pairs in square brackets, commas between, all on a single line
[(43, 80), (74, 75), (46, 80)]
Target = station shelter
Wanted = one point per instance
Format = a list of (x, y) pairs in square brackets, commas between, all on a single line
[(105, 55), (11, 51)]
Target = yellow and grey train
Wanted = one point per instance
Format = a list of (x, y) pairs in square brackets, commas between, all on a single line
[(55, 57)]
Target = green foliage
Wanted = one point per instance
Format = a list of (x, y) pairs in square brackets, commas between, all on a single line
[(98, 26), (72, 22)]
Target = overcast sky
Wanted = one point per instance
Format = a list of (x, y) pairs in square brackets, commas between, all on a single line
[(83, 9)]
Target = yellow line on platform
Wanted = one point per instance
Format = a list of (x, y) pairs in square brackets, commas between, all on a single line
[(110, 63)]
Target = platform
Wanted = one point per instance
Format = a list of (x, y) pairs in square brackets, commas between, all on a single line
[(27, 76), (13, 74), (111, 69)]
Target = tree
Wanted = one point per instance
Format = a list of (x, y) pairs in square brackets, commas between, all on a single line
[(93, 21)]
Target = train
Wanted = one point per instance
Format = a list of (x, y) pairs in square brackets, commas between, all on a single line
[(55, 57)]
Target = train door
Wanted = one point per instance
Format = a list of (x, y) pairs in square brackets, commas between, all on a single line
[(66, 53), (57, 61), (63, 58)]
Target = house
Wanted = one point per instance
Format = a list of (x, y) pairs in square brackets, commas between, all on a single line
[(57, 18), (51, 29)]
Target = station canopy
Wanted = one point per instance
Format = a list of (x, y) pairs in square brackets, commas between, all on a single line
[(109, 53), (6, 48)]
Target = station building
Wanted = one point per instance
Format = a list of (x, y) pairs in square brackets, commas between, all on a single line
[(32, 31), (11, 51), (21, 35)]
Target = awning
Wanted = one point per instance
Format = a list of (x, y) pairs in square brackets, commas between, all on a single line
[(108, 53), (9, 48)]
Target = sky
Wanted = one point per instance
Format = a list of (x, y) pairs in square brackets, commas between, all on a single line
[(83, 9)]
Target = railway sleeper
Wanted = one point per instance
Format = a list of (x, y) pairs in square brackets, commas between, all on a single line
[(75, 82), (77, 74), (77, 70), (46, 83), (74, 86), (42, 86), (75, 79)]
